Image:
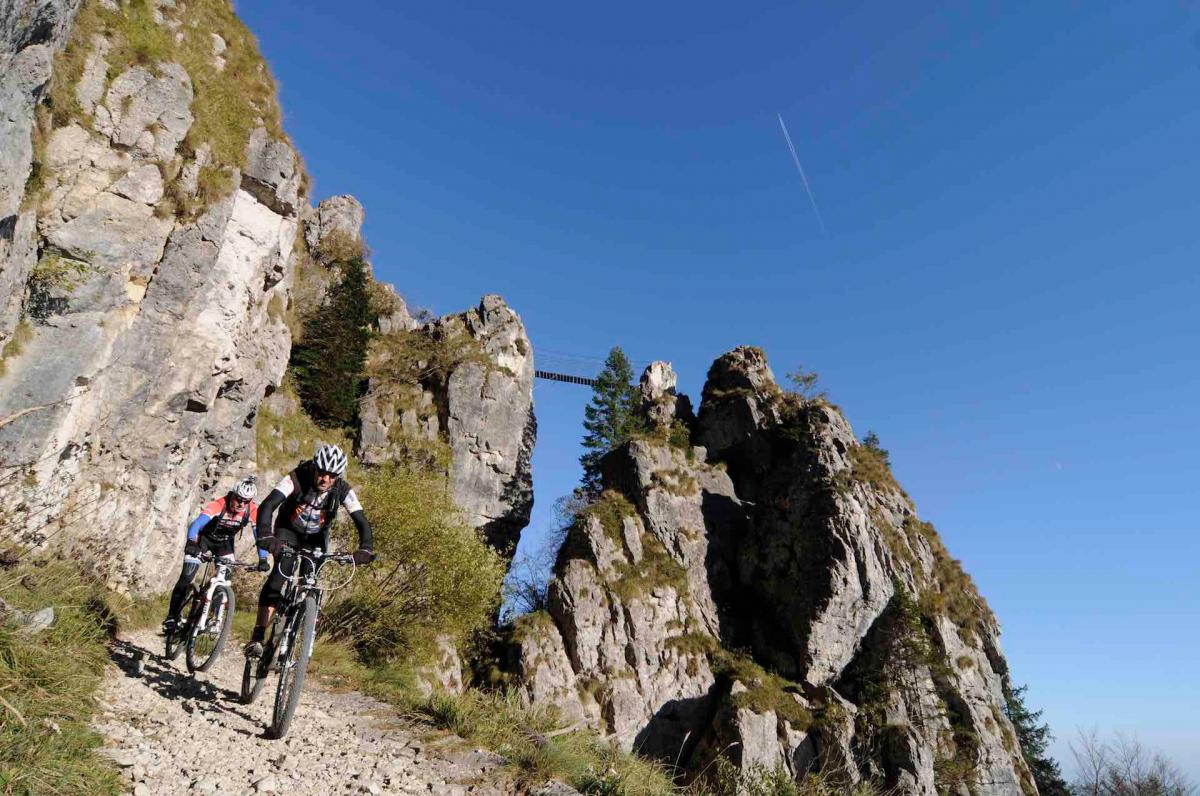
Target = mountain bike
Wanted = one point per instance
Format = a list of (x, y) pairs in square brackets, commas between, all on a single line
[(208, 609), (289, 644)]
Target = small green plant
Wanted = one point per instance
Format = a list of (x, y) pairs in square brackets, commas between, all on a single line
[(53, 274), (806, 384), (15, 345)]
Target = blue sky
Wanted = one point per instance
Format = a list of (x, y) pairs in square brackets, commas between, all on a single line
[(1005, 292)]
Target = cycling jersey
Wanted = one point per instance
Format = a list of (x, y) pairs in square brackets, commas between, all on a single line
[(306, 510), (220, 523)]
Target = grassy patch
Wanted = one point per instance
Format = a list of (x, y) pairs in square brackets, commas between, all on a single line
[(610, 509), (766, 691), (657, 569), (676, 481), (284, 439), (869, 466), (500, 722), (531, 624), (951, 593), (230, 100), (48, 679), (15, 344), (422, 357), (338, 246)]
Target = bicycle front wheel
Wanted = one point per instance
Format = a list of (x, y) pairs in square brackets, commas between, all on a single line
[(301, 631), (204, 644)]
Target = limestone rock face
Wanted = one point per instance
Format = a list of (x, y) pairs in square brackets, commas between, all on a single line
[(635, 608), (871, 655), (474, 391), (152, 338), (336, 214), (30, 33)]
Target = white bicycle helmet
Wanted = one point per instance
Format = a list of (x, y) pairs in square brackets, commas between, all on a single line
[(246, 489), (331, 459)]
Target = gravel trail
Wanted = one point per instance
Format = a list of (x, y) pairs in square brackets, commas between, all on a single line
[(172, 733)]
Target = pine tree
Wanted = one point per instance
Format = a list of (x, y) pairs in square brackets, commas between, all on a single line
[(329, 362), (611, 418), (1034, 738)]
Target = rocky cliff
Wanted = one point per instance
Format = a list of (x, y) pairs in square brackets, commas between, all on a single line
[(143, 283), (769, 595), (465, 380), (156, 250)]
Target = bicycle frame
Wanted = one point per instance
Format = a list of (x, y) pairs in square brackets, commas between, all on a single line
[(303, 580), (219, 578)]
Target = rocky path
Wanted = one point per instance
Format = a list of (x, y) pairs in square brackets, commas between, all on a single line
[(172, 733)]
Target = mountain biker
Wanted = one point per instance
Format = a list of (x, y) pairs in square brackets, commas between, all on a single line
[(307, 499), (214, 531)]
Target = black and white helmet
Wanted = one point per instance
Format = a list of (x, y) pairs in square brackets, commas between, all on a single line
[(246, 489), (331, 459)]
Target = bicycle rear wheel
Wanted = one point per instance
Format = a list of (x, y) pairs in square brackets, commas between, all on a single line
[(254, 677), (302, 627), (204, 644), (174, 640), (255, 671)]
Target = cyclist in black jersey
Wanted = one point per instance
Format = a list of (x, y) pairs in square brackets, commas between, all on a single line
[(307, 500)]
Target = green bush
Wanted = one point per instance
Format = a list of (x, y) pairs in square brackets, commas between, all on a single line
[(435, 575)]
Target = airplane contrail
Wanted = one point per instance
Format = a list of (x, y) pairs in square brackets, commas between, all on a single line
[(803, 177)]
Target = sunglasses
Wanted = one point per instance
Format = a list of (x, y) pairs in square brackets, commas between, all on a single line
[(325, 474)]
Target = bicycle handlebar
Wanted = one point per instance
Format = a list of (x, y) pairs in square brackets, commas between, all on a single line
[(208, 556), (315, 553)]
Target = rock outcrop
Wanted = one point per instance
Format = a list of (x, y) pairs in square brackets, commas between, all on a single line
[(31, 32), (466, 381), (862, 649), (150, 331)]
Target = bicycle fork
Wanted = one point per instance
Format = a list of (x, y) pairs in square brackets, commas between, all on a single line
[(216, 581)]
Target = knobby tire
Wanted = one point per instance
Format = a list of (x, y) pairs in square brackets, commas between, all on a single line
[(255, 671), (222, 608), (174, 640), (301, 630)]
